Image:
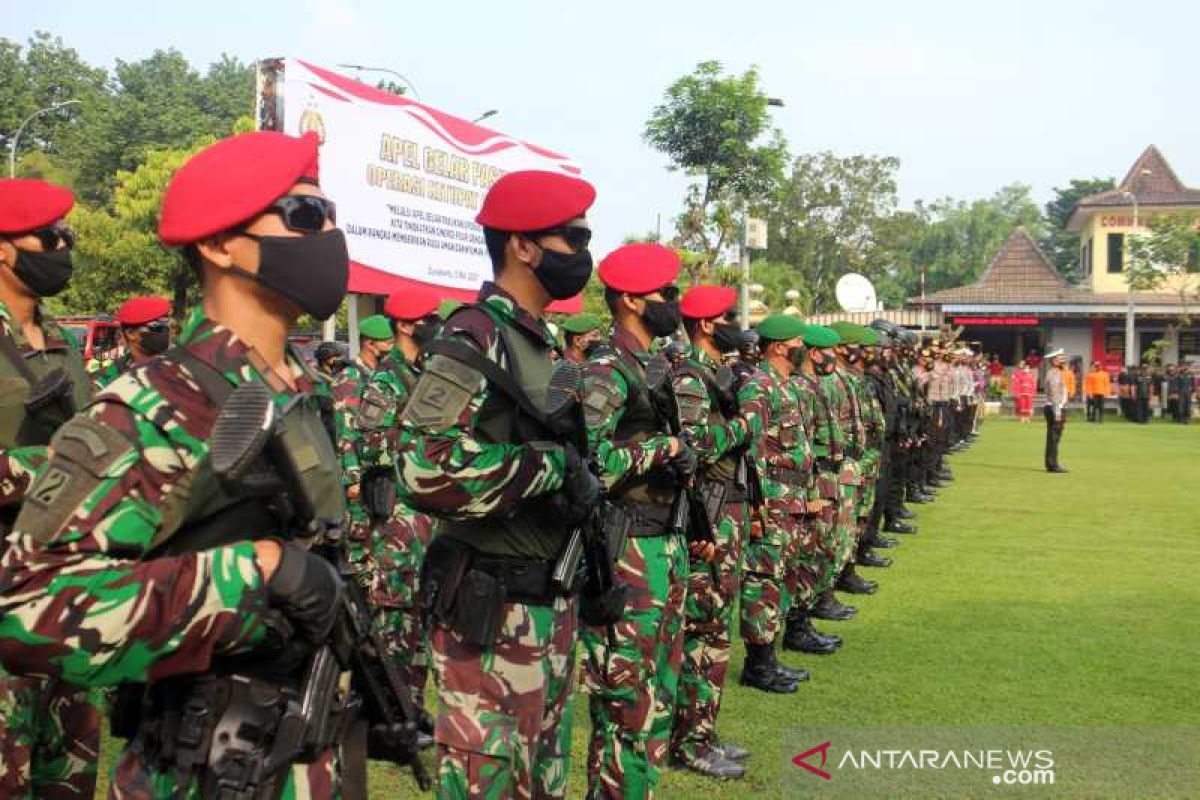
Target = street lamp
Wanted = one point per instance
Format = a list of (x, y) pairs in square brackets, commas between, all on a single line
[(485, 115), (12, 149), (1131, 354), (361, 68)]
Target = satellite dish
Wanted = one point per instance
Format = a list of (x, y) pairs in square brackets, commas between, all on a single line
[(855, 293)]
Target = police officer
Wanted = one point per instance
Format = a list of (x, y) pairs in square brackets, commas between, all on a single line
[(145, 332), (49, 731), (723, 431), (129, 526), (1056, 408), (581, 334), (507, 491)]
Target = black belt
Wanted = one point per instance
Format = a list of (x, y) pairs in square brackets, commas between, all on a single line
[(526, 580)]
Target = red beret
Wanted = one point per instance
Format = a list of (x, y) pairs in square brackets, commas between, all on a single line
[(28, 204), (140, 310), (639, 268), (412, 304), (532, 200), (231, 181), (706, 302)]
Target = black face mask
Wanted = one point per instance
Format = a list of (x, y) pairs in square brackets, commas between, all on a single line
[(796, 356), (312, 271), (425, 332), (727, 337), (46, 274), (590, 349), (156, 342), (564, 275), (825, 366), (853, 356), (661, 317)]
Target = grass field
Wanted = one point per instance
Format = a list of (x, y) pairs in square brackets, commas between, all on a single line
[(1024, 598)]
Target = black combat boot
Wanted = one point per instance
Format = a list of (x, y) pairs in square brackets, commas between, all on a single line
[(802, 637), (896, 526), (902, 513), (759, 671), (829, 607), (869, 558), (850, 582), (733, 752), (713, 764)]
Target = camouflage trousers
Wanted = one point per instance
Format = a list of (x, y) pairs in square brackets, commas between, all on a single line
[(836, 536), (134, 779), (398, 551), (49, 739), (504, 711), (870, 467), (762, 576), (802, 564), (631, 671), (708, 615)]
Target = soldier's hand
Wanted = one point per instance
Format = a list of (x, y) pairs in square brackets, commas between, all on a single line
[(756, 529), (581, 487), (703, 551), (685, 461), (307, 589)]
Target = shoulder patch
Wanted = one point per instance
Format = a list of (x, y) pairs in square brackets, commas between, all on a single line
[(693, 400), (442, 394), (601, 399), (372, 408), (86, 453)]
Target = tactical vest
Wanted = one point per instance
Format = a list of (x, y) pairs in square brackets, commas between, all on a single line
[(212, 517), (725, 469), (638, 423), (529, 532), (17, 427)]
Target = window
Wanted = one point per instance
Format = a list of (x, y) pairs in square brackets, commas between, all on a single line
[(1116, 252), (1193, 257), (1085, 259)]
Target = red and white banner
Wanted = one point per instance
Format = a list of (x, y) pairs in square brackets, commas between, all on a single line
[(408, 180)]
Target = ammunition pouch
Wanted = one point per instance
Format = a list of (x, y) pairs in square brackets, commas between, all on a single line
[(714, 495), (377, 492), (647, 519)]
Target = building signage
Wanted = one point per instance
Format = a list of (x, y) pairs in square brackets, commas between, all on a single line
[(995, 320)]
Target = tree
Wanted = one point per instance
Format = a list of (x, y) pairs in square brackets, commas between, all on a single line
[(1062, 247), (1168, 258), (826, 220), (716, 128)]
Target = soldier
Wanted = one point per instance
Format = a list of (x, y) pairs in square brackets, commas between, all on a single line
[(883, 389), (401, 534), (632, 668), (507, 491), (145, 333), (329, 360), (723, 427), (581, 334), (49, 730), (1187, 390), (128, 525), (1142, 391)]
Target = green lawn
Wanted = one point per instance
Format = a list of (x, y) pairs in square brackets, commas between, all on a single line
[(1024, 598)]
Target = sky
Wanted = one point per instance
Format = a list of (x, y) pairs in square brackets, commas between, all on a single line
[(969, 96)]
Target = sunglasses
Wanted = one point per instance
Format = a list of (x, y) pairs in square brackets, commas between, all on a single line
[(53, 236), (304, 213), (576, 238)]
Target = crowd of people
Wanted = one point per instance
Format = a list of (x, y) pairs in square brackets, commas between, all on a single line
[(507, 504)]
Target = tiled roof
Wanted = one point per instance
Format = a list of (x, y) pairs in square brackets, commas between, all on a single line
[(1151, 180)]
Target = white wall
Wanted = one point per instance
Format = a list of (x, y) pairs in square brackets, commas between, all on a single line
[(1075, 339)]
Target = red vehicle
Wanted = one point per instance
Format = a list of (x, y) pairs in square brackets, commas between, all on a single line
[(96, 335)]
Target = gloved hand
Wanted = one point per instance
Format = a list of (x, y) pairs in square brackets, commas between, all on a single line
[(684, 462), (580, 487), (308, 591)]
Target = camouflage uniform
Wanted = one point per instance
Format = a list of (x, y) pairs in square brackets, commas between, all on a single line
[(763, 598), (843, 403), (632, 668), (49, 730), (828, 448), (117, 488), (801, 563), (109, 371), (710, 600), (347, 393), (871, 414), (504, 714), (398, 544)]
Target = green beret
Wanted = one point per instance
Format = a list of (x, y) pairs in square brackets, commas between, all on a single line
[(820, 336), (581, 323), (376, 326), (447, 307), (870, 337), (780, 328), (848, 331)]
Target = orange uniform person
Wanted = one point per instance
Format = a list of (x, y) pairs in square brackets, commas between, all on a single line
[(1097, 385)]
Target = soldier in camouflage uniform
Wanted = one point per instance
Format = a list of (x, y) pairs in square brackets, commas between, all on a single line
[(398, 542), (774, 537), (632, 668), (723, 431), (49, 731), (806, 568), (581, 334), (474, 454), (145, 333), (120, 523)]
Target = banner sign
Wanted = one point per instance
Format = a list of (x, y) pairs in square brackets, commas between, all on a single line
[(408, 179), (995, 320)]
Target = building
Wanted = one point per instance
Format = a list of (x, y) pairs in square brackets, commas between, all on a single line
[(1021, 302)]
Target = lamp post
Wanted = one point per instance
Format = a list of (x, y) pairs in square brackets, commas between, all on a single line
[(362, 68), (1130, 313), (12, 148)]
